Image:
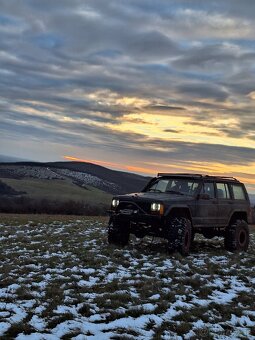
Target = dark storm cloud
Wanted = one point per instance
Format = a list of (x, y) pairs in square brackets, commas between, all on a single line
[(185, 58)]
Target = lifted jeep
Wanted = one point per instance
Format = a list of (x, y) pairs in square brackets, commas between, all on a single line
[(176, 206)]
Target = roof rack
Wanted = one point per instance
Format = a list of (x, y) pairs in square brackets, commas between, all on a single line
[(198, 175), (223, 177), (179, 174)]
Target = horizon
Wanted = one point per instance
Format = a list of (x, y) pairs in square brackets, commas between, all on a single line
[(139, 86), (111, 167)]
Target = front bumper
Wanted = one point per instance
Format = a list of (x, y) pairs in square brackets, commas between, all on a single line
[(135, 218)]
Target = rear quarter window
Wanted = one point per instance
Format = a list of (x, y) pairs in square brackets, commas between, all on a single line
[(238, 192), (222, 191)]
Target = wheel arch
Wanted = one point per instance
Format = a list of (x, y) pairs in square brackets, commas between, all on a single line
[(179, 211), (238, 215)]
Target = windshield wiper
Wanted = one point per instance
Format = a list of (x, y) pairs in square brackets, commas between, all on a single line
[(174, 192), (154, 190)]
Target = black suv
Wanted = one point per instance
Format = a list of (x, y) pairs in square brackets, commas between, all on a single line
[(176, 206)]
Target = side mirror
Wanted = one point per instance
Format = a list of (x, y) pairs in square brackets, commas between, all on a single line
[(203, 196)]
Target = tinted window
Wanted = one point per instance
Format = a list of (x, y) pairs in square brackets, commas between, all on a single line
[(222, 191), (209, 189), (238, 192), (173, 185)]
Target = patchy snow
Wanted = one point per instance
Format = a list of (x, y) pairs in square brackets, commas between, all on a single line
[(38, 323), (87, 179), (49, 173), (4, 326), (63, 279)]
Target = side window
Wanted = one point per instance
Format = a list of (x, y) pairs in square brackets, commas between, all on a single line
[(192, 187), (209, 189), (238, 192), (222, 191)]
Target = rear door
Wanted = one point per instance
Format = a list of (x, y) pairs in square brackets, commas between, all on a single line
[(207, 209), (225, 203)]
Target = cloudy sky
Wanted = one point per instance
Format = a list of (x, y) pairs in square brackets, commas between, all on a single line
[(136, 85)]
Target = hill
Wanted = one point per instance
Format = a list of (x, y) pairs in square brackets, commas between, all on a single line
[(125, 181), (63, 187), (57, 190), (6, 190), (112, 181)]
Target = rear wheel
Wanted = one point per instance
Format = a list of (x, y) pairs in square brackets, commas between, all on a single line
[(179, 235), (118, 234), (237, 236)]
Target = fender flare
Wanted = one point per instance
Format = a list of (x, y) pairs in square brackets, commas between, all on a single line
[(178, 206)]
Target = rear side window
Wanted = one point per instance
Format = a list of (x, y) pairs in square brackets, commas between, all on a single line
[(238, 192), (222, 191)]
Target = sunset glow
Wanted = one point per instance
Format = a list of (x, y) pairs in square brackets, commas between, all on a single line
[(113, 165)]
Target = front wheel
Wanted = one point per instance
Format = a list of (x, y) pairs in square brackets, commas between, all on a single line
[(237, 236), (117, 234), (179, 235)]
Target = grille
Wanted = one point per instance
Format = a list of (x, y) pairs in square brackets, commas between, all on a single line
[(144, 206)]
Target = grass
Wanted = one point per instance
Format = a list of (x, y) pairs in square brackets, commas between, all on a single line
[(34, 220), (60, 190), (59, 276)]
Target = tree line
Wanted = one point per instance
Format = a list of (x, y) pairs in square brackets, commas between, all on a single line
[(26, 205)]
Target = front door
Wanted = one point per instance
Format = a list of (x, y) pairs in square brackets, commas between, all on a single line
[(207, 208)]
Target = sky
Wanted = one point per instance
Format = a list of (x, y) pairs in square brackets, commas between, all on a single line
[(140, 85)]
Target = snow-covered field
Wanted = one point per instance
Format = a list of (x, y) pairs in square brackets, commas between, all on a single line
[(61, 280)]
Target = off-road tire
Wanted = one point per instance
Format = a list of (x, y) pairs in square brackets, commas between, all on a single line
[(237, 236), (179, 235), (117, 234)]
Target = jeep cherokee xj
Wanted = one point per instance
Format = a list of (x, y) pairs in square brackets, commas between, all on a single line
[(176, 206)]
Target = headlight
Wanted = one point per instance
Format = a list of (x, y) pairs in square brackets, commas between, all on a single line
[(157, 207), (115, 203)]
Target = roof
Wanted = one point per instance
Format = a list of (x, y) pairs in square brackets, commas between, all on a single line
[(225, 178)]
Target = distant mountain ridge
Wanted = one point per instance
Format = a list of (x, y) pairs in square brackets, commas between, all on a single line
[(9, 159)]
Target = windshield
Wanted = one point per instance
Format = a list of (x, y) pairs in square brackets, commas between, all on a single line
[(180, 186)]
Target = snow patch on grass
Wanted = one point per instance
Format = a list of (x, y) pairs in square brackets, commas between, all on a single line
[(63, 279)]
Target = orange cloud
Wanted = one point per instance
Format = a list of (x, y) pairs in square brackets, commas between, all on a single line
[(75, 159), (141, 170)]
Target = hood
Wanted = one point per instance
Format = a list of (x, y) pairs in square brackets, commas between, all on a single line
[(154, 196)]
